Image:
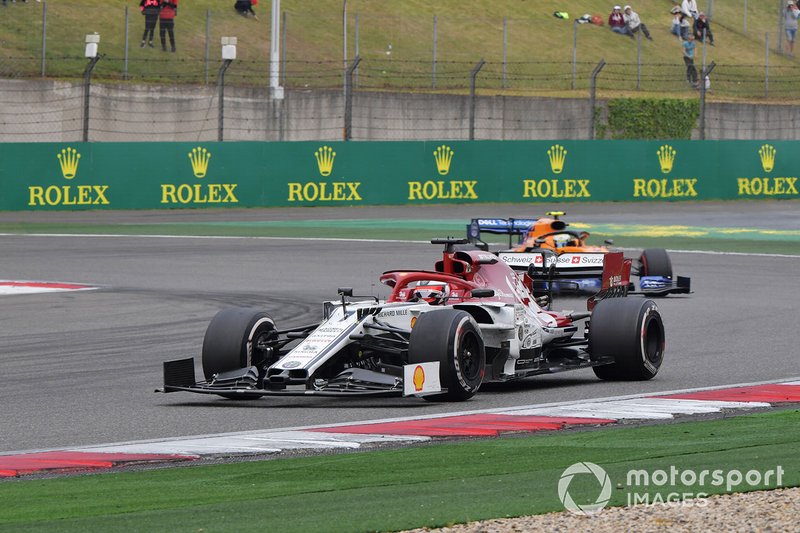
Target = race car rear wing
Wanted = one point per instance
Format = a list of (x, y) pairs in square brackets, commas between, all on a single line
[(587, 273), (602, 275), (616, 279), (567, 265), (498, 226)]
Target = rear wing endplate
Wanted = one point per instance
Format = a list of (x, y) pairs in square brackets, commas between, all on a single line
[(498, 226)]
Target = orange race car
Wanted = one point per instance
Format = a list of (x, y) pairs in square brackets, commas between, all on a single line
[(561, 258)]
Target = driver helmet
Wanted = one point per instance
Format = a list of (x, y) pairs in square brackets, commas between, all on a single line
[(433, 292), (561, 240)]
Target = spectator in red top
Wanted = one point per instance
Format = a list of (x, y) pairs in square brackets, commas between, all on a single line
[(245, 7), (166, 22), (150, 9), (616, 21)]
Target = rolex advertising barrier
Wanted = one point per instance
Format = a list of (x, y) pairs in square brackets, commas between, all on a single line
[(64, 176)]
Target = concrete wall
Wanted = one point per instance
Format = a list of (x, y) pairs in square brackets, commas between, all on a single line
[(34, 111), (744, 121)]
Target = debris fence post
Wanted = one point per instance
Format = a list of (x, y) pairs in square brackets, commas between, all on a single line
[(593, 95), (348, 101), (472, 76), (704, 73), (206, 49), (574, 52), (766, 64), (221, 92), (505, 50), (433, 66), (44, 34), (87, 88), (125, 58), (638, 59)]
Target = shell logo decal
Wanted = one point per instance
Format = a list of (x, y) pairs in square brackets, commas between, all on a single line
[(419, 378)]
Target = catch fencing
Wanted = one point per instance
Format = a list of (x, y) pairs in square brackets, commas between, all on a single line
[(87, 110), (136, 93)]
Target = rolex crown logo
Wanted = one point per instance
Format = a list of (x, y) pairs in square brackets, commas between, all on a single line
[(666, 157), (199, 157), (325, 157), (557, 155), (767, 155), (443, 156), (68, 159)]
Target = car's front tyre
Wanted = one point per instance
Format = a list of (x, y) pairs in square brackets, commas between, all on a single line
[(655, 262), (453, 338), (232, 339)]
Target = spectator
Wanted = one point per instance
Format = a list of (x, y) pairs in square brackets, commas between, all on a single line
[(150, 9), (245, 7), (689, 8), (688, 59), (634, 23), (680, 24), (675, 29), (685, 25), (616, 21), (702, 30), (166, 23), (790, 25)]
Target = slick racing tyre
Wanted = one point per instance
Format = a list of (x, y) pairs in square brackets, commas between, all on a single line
[(630, 331), (232, 339), (655, 262), (452, 338)]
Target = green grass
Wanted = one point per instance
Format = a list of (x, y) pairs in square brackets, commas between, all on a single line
[(625, 236), (539, 46), (401, 488)]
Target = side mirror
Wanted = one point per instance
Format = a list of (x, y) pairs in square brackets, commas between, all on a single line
[(609, 241), (482, 293), (345, 291)]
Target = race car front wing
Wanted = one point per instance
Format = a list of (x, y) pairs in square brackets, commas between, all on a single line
[(661, 286), (179, 376)]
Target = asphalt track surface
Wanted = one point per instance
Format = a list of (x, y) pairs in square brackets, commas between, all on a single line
[(80, 368)]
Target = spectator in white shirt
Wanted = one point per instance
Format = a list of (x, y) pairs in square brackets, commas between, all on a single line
[(634, 23), (689, 8)]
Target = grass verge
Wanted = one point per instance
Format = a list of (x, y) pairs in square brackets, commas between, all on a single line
[(406, 487)]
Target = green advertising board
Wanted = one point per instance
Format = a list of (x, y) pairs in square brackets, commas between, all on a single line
[(63, 176)]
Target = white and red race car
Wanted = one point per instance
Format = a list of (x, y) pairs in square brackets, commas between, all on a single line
[(439, 334)]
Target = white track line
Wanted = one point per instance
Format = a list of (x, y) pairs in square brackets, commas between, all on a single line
[(266, 442), (635, 409), (331, 239), (632, 406), (746, 254), (513, 410), (249, 237)]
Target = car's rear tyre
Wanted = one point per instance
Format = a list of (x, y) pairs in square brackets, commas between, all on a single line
[(453, 338), (655, 262), (630, 331), (232, 339)]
